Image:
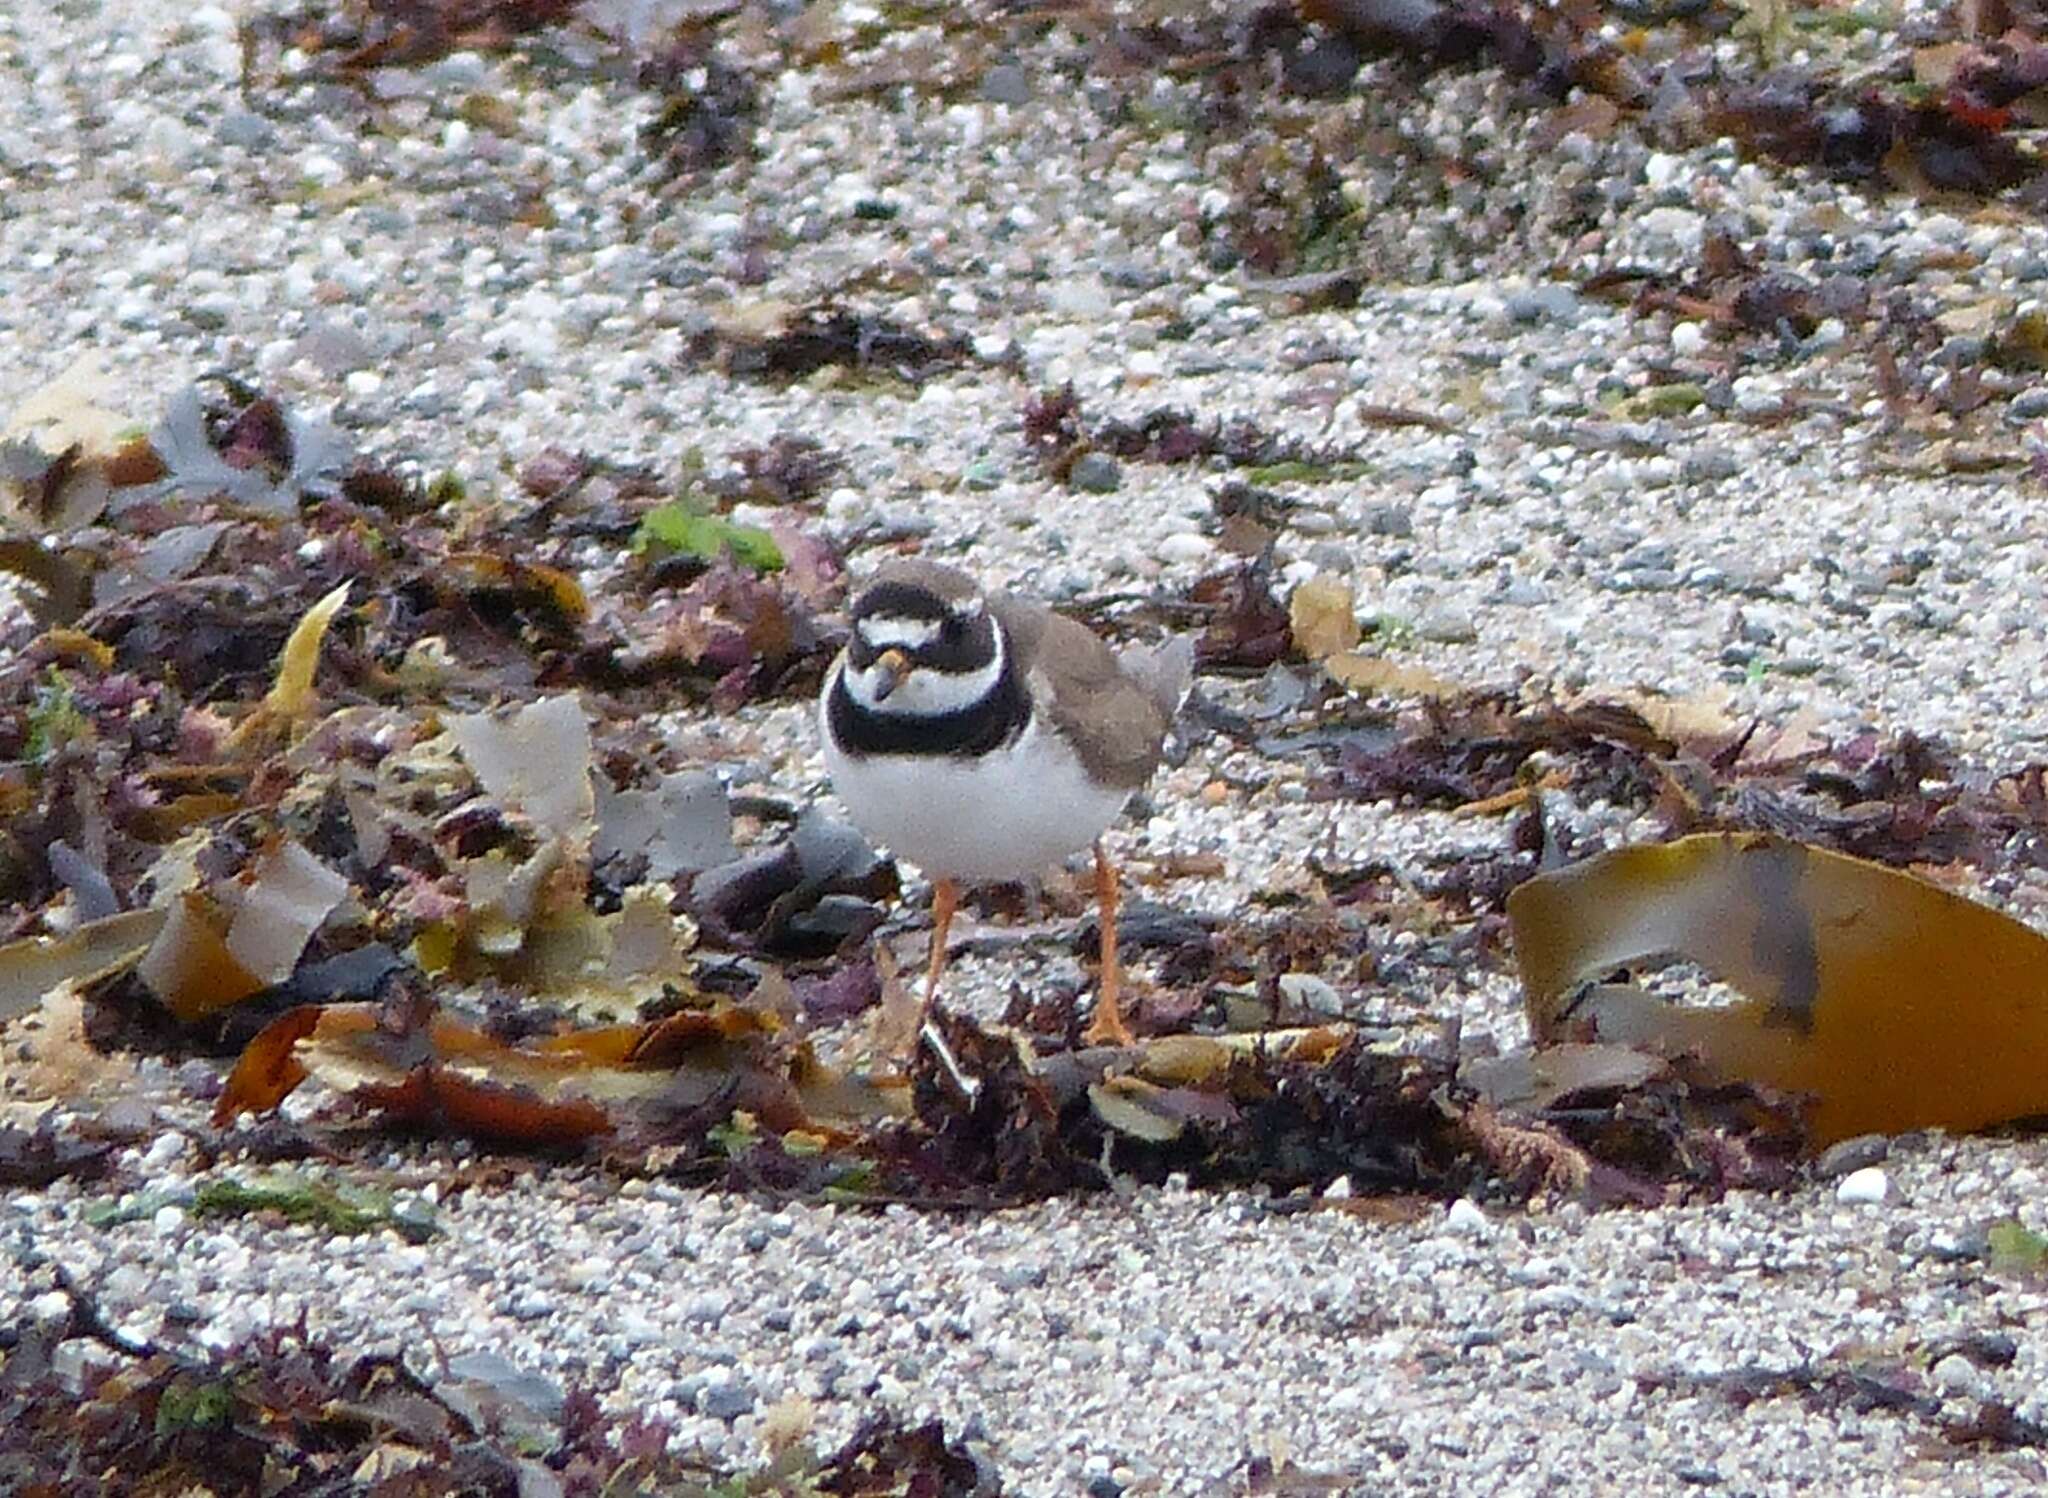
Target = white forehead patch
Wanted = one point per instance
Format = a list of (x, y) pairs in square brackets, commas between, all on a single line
[(881, 632), (967, 610)]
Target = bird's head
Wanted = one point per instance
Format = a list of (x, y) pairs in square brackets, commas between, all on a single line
[(924, 642)]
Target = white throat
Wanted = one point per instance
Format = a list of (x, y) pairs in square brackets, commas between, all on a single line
[(924, 693)]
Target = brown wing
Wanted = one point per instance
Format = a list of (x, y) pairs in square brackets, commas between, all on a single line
[(1113, 720)]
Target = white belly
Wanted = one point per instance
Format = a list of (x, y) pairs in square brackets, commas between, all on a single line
[(1007, 815)]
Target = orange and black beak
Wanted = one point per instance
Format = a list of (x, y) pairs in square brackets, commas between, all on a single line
[(894, 666)]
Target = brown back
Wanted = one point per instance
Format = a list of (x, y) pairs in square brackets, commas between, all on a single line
[(1115, 719)]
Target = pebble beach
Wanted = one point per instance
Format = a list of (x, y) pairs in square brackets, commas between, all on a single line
[(465, 262)]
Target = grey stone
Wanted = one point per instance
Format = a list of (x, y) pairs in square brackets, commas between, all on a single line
[(1847, 1155), (1389, 520), (1096, 473), (251, 132), (726, 1401), (1548, 303), (1006, 83), (1447, 625), (334, 348)]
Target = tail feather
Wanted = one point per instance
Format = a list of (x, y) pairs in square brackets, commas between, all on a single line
[(1165, 670)]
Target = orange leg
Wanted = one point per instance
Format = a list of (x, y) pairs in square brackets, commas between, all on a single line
[(945, 900), (1108, 1026)]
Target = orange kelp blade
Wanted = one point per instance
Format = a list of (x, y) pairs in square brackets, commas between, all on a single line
[(1892, 1002)]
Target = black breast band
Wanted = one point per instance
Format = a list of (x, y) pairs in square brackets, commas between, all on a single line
[(978, 728)]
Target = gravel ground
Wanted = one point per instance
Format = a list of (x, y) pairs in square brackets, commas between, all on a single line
[(1778, 549)]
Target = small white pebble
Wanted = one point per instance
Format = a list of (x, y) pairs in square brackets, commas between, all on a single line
[(1465, 1219), (168, 1219), (1083, 298), (51, 1305), (844, 505), (1956, 1374), (1338, 1190), (1297, 572), (364, 382), (1185, 546), (1311, 993), (1687, 339), (162, 1150), (1866, 1186), (322, 168), (1662, 170)]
